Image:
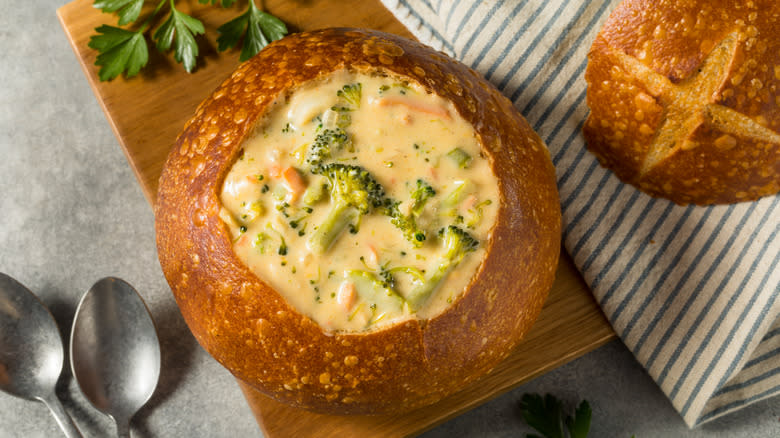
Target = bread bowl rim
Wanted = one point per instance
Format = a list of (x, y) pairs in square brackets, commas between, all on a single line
[(200, 207)]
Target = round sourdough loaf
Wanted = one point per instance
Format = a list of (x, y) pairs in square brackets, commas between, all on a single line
[(684, 98), (250, 328)]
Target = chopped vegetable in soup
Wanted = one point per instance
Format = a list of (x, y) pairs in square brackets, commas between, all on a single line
[(363, 200)]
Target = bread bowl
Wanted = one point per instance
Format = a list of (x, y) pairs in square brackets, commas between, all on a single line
[(684, 98), (256, 330)]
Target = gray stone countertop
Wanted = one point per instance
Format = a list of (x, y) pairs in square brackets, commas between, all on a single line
[(71, 212)]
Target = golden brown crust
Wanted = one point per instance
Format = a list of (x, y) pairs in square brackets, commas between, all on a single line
[(698, 81), (252, 331)]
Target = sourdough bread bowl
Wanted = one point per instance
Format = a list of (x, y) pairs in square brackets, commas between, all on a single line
[(257, 332), (684, 98)]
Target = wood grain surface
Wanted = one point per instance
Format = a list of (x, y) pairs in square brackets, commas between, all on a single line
[(147, 112)]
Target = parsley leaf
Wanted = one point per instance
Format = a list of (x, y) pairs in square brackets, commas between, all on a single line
[(580, 424), (128, 10), (180, 30), (259, 27), (545, 414), (120, 50), (123, 50)]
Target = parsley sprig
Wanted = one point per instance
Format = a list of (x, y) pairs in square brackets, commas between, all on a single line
[(120, 50), (260, 27), (179, 30), (128, 10), (545, 414), (126, 50)]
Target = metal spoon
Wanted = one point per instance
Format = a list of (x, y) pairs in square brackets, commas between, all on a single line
[(114, 351), (31, 352)]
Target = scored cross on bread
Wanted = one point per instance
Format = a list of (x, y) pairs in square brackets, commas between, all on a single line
[(689, 119), (693, 102)]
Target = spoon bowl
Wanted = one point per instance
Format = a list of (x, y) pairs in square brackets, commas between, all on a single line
[(114, 350), (31, 352)]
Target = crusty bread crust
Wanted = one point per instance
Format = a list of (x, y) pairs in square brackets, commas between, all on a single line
[(249, 327), (684, 98)]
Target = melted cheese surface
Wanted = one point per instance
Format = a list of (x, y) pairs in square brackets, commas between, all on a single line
[(275, 202)]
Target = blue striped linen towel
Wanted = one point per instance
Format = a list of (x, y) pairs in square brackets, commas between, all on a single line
[(692, 291)]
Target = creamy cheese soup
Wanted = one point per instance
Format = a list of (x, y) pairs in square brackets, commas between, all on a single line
[(363, 200)]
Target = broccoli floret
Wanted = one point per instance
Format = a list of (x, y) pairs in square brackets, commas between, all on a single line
[(380, 298), (353, 193), (386, 276), (333, 139), (314, 192), (408, 223), (457, 243), (261, 241), (408, 226), (351, 93), (420, 196), (349, 100), (325, 145)]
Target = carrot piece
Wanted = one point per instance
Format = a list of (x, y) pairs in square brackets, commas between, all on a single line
[(434, 173), (373, 256), (275, 170), (294, 183), (470, 202), (415, 106), (255, 178), (346, 295)]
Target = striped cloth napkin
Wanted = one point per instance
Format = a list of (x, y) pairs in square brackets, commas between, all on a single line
[(692, 291)]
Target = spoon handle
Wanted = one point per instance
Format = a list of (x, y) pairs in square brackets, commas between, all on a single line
[(63, 419), (122, 428)]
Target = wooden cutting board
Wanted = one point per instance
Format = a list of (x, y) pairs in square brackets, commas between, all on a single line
[(147, 112)]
